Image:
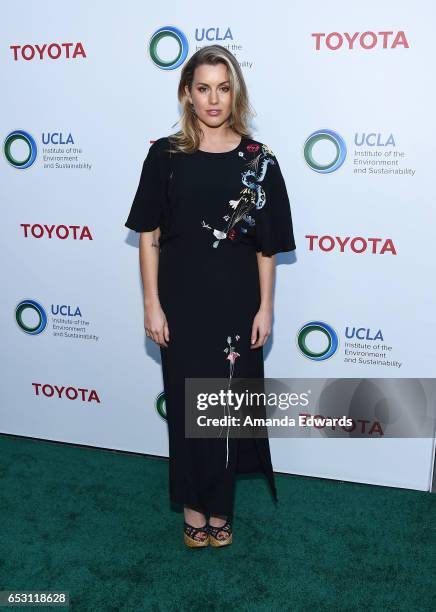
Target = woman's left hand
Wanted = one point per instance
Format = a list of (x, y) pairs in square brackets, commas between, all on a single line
[(261, 328)]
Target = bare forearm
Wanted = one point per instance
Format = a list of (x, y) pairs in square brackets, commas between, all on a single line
[(149, 264), (266, 267)]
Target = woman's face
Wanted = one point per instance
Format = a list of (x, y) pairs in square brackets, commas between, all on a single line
[(211, 92)]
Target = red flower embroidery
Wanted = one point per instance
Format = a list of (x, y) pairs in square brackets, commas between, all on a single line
[(232, 356), (253, 148), (232, 234)]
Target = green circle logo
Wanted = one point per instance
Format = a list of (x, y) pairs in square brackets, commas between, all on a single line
[(327, 331), (161, 406), (182, 44), (30, 145), (340, 151), (25, 306)]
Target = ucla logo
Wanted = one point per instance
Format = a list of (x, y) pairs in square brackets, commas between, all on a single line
[(56, 138), (329, 334), (363, 333), (20, 149), (65, 310), (172, 33), (339, 156), (373, 140), (212, 34), (32, 308)]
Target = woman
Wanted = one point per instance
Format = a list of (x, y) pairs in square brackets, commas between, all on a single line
[(212, 210)]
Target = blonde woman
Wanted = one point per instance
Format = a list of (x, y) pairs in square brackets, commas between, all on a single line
[(212, 211)]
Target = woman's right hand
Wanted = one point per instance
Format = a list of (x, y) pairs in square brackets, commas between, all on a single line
[(156, 324)]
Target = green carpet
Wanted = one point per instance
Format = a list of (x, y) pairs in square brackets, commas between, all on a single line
[(98, 524)]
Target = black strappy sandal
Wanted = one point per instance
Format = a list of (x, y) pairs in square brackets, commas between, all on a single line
[(190, 534), (223, 541)]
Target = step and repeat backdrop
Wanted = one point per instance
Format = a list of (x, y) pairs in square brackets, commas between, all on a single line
[(344, 98)]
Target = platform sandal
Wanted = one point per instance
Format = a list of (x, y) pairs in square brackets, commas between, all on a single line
[(224, 540), (190, 534)]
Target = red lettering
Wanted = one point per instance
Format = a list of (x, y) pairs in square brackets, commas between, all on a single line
[(37, 230), (311, 239), (41, 50), (343, 242), (74, 228), (71, 393), (67, 49), (388, 246), (79, 50), (363, 421), (374, 245), (48, 390), (330, 44), (353, 245), (400, 39), (24, 51), (376, 428), (373, 40), (53, 51), (49, 229), (351, 39), (61, 231), (367, 40), (25, 225), (15, 51), (59, 234), (59, 390), (86, 233), (328, 239), (385, 38), (317, 36)]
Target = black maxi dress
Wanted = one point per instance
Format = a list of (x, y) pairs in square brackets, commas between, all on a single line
[(215, 211)]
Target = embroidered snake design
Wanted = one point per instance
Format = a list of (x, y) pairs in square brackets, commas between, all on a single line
[(251, 196)]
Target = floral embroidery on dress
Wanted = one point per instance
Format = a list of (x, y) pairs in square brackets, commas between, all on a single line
[(232, 355), (252, 194)]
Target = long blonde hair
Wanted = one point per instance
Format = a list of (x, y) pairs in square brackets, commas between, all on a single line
[(187, 139)]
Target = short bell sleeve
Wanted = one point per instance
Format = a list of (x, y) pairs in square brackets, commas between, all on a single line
[(273, 230), (147, 208)]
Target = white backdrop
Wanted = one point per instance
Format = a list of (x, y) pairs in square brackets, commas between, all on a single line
[(82, 83)]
